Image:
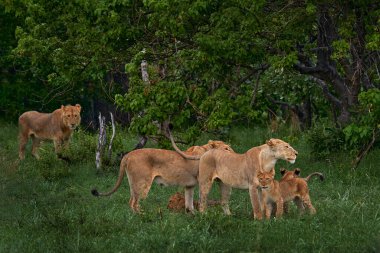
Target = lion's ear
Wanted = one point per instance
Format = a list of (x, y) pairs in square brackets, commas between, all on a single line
[(282, 171), (78, 106), (62, 107), (297, 171), (211, 143)]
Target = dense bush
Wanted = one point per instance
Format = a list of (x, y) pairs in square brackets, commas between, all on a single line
[(325, 139), (367, 125)]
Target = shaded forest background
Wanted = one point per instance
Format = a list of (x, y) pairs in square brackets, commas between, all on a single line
[(309, 65)]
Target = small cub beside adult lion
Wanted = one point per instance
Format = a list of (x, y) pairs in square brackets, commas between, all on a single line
[(240, 171), (166, 167), (57, 126)]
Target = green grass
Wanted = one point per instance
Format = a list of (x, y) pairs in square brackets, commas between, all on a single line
[(46, 206)]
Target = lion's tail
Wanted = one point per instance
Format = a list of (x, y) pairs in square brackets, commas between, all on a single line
[(186, 156), (321, 177), (117, 185)]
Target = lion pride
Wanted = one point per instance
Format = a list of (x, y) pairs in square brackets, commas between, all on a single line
[(57, 126), (240, 171), (165, 167)]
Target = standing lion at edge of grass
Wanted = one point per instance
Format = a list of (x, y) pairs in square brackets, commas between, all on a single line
[(165, 167), (57, 126), (240, 171)]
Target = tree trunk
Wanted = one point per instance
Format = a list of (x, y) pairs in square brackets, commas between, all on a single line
[(340, 88)]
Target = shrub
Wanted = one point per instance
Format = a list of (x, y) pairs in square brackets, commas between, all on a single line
[(51, 168), (367, 124), (325, 139)]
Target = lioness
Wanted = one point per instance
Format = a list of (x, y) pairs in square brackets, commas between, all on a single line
[(296, 188), (165, 167), (240, 171), (57, 126)]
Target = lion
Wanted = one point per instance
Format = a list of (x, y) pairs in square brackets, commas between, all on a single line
[(240, 171), (276, 194), (296, 188), (290, 174), (271, 194), (57, 126), (177, 202), (165, 167)]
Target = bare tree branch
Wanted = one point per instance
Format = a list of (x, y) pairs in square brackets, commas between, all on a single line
[(327, 93), (112, 137), (101, 142), (364, 150), (254, 92), (144, 71)]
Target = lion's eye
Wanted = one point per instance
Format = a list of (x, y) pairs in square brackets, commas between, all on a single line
[(286, 146), (68, 116)]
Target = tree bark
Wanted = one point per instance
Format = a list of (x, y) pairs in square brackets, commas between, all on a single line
[(325, 72)]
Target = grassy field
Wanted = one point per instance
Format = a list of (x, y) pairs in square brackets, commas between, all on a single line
[(46, 206)]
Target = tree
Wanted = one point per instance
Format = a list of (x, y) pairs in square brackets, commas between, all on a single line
[(76, 51), (203, 65), (342, 53), (211, 64)]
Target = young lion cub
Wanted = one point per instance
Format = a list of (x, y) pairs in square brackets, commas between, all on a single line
[(271, 194), (177, 202), (290, 188), (295, 188)]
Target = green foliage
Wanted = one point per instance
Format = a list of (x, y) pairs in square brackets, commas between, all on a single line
[(16, 94), (82, 144), (199, 90), (326, 140), (367, 125), (208, 60), (51, 168), (68, 49)]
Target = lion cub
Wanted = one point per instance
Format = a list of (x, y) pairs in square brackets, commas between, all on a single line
[(271, 194), (291, 187), (177, 202), (296, 188)]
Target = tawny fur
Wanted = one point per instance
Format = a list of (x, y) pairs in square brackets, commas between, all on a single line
[(291, 187), (165, 167), (294, 188), (271, 194), (56, 126), (197, 151), (177, 202), (289, 174), (240, 171)]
